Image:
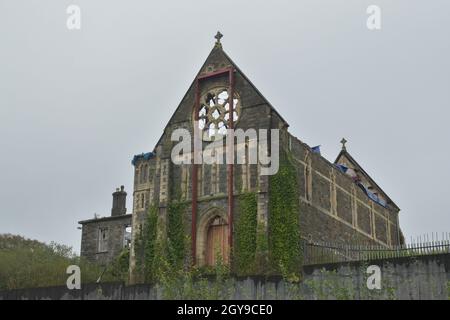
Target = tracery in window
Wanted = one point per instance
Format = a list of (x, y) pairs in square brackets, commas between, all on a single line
[(214, 112)]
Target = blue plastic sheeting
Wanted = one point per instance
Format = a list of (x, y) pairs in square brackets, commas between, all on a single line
[(143, 156), (372, 196), (316, 149), (341, 167)]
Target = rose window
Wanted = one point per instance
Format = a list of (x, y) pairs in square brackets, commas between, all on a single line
[(214, 112)]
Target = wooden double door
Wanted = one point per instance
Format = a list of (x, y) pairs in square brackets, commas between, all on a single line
[(217, 246)]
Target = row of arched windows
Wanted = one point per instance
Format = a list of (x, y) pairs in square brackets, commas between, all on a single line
[(140, 201), (142, 173), (212, 179)]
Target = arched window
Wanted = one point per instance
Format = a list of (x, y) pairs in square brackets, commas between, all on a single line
[(143, 201), (136, 175), (141, 169), (308, 177), (145, 173), (214, 112), (102, 240)]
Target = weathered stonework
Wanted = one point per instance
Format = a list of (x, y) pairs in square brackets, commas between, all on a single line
[(332, 206), (116, 242), (103, 239)]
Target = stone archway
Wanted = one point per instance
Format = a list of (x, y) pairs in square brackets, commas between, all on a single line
[(212, 237)]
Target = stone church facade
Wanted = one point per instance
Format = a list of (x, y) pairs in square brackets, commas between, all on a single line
[(337, 202)]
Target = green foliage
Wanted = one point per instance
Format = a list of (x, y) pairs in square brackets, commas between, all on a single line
[(150, 249), (191, 282), (175, 234), (139, 253), (118, 269), (245, 245), (151, 233), (145, 245), (262, 250), (238, 181), (448, 289), (284, 233), (331, 286), (28, 263)]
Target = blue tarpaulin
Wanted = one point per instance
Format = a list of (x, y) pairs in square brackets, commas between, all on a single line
[(316, 149), (372, 196), (142, 156), (341, 167)]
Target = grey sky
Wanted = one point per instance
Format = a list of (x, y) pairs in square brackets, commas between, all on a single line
[(75, 106)]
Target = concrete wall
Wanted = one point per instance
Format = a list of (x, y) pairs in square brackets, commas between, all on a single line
[(425, 277)]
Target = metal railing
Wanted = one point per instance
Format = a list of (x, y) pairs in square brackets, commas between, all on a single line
[(323, 252)]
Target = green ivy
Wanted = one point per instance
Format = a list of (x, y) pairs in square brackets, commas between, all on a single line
[(246, 234), (151, 232), (175, 234), (448, 289), (262, 250), (139, 252), (119, 267), (238, 179), (284, 233), (145, 245)]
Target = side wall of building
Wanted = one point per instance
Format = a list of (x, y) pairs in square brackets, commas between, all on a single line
[(333, 207), (115, 228)]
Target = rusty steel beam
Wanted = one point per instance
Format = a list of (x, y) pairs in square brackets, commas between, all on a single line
[(195, 179), (230, 166), (230, 71)]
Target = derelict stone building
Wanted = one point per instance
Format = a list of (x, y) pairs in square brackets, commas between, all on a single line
[(103, 239), (334, 202)]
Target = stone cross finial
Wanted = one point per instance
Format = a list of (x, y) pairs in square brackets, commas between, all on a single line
[(218, 36), (343, 141)]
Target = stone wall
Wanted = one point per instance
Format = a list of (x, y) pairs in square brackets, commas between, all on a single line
[(115, 227), (166, 181), (412, 278), (333, 208)]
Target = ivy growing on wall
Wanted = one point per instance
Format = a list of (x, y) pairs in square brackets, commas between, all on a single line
[(145, 245), (284, 234), (150, 247), (175, 234), (246, 234), (151, 231), (119, 267), (138, 250), (238, 178), (262, 250)]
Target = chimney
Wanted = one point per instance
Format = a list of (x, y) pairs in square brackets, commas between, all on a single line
[(119, 202)]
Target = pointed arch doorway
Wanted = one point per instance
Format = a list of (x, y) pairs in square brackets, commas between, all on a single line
[(212, 238), (217, 242)]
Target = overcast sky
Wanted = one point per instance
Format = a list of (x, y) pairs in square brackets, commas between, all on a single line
[(75, 106)]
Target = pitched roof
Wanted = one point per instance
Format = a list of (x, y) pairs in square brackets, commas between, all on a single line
[(344, 153), (109, 218), (218, 50)]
